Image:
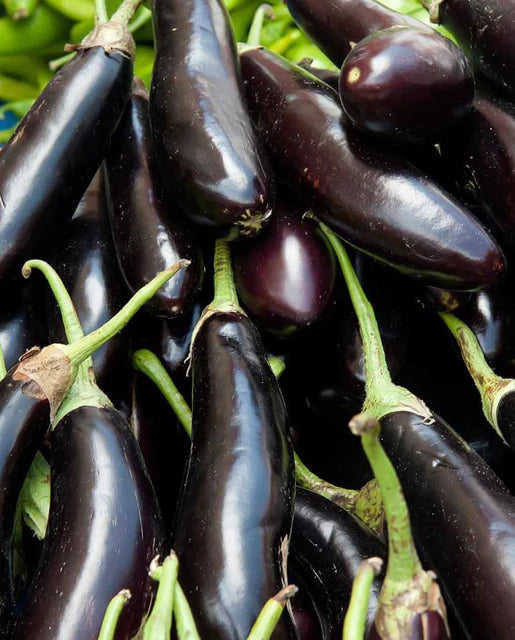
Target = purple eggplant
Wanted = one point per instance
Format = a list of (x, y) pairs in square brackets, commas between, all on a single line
[(149, 232), (208, 153), (371, 196), (406, 85)]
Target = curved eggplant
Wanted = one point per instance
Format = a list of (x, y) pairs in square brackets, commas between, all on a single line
[(104, 530), (52, 157), (327, 547), (371, 196), (149, 233), (286, 277), (336, 25), (485, 29), (207, 150), (406, 85)]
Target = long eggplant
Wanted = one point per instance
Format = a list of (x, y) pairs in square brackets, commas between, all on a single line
[(209, 155), (56, 149), (149, 233), (372, 197), (236, 508)]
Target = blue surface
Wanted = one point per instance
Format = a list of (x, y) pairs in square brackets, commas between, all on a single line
[(8, 121)]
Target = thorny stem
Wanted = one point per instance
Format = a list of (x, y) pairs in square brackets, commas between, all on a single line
[(112, 614), (125, 11), (356, 616), (270, 614), (262, 12), (159, 622)]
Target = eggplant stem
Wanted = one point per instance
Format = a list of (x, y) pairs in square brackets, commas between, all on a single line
[(262, 12), (125, 11), (159, 622), (184, 621), (100, 12), (403, 560), (3, 369), (226, 296), (356, 616), (112, 615), (270, 614), (56, 64), (141, 19)]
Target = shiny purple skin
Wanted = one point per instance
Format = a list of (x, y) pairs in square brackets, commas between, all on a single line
[(286, 277), (103, 532), (149, 232), (485, 30), (55, 151), (209, 156), (406, 85), (369, 195), (480, 154), (425, 626), (335, 25)]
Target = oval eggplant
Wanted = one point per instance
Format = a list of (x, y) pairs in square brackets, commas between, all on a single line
[(149, 233), (104, 530), (336, 25), (286, 277), (372, 197), (406, 85), (52, 157), (205, 144)]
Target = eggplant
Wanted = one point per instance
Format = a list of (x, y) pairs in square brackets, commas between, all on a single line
[(56, 149), (149, 233), (208, 153), (485, 30), (286, 277), (236, 508), (336, 25), (406, 85), (327, 547), (371, 196)]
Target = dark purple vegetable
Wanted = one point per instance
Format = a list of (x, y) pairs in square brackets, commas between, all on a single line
[(327, 547), (52, 157), (149, 232), (336, 25), (236, 508), (406, 85), (371, 196), (286, 277), (485, 29), (205, 144)]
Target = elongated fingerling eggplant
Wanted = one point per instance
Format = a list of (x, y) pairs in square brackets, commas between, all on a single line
[(372, 197), (49, 161), (208, 153), (149, 232)]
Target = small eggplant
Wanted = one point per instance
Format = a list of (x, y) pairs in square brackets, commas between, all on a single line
[(236, 508), (286, 277), (371, 196), (149, 233), (406, 85), (208, 153)]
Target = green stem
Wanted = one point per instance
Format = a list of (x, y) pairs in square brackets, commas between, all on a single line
[(112, 614), (226, 296), (270, 614), (159, 623), (140, 19), (491, 387), (100, 12), (382, 396), (184, 621), (125, 11), (403, 561), (56, 64), (254, 37), (3, 369), (356, 616), (284, 43)]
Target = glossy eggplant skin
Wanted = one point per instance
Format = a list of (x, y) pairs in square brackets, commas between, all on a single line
[(369, 195), (406, 85), (486, 32), (205, 144), (286, 277), (149, 233), (457, 503), (103, 532), (327, 547), (86, 262), (24, 421), (52, 157), (336, 25), (236, 508), (480, 153)]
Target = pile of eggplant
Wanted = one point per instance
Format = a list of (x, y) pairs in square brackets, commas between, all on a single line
[(244, 300)]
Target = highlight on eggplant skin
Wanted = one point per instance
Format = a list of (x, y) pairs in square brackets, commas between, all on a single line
[(369, 195), (406, 85)]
